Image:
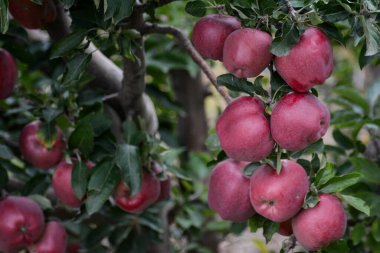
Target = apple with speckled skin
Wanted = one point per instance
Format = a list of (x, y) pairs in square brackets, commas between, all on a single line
[(22, 223), (8, 73), (317, 227), (298, 120), (210, 33), (278, 197), (36, 151), (148, 195), (32, 15), (310, 62), (228, 193), (53, 240), (62, 186), (246, 52), (243, 130)]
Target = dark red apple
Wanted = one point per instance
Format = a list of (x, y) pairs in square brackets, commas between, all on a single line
[(32, 15), (73, 247), (210, 32), (8, 73), (36, 151), (298, 120), (228, 193), (62, 186), (279, 197), (246, 52), (243, 130), (149, 193), (22, 223), (309, 62), (54, 239), (286, 228), (317, 227)]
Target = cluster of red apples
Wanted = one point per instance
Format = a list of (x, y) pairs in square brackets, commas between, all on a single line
[(247, 134), (23, 224)]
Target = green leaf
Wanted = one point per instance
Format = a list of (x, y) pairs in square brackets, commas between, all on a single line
[(357, 203), (101, 185), (132, 135), (358, 233), (51, 113), (5, 152), (76, 66), (42, 201), (79, 179), (372, 35), (242, 85), (324, 175), (4, 17), (256, 222), (270, 228), (316, 147), (285, 40), (339, 183), (83, 139), (127, 159), (337, 247), (369, 169), (375, 230), (196, 8), (119, 9), (332, 32), (64, 46), (353, 96), (342, 139), (251, 168), (311, 201), (67, 3)]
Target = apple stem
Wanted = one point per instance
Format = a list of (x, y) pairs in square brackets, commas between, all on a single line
[(188, 46)]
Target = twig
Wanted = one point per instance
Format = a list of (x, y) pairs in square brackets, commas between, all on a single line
[(185, 42), (290, 244), (291, 10)]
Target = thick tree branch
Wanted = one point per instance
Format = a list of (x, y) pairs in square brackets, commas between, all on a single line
[(185, 42), (108, 76)]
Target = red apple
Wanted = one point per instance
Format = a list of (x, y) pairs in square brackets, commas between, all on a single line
[(279, 197), (228, 193), (22, 223), (286, 228), (298, 120), (309, 62), (36, 151), (149, 193), (62, 186), (32, 15), (8, 73), (246, 52), (210, 32), (317, 227), (73, 247), (54, 239), (243, 130)]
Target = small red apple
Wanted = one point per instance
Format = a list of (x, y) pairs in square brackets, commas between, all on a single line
[(22, 223), (298, 120), (243, 130), (246, 52), (286, 228), (36, 151), (309, 62), (62, 186), (210, 32), (279, 197), (228, 193), (8, 73), (148, 195), (317, 227), (32, 15), (54, 239)]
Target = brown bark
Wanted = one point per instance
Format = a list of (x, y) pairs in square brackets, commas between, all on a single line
[(190, 94)]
